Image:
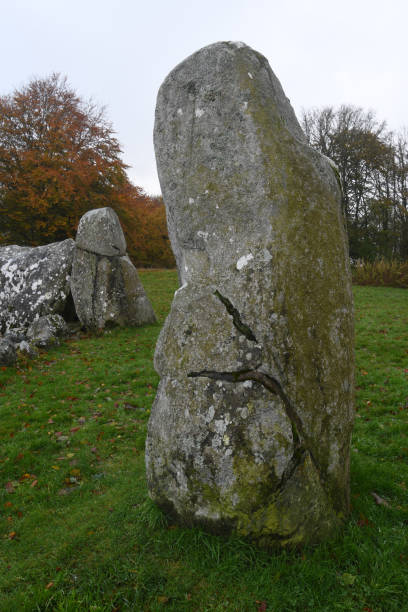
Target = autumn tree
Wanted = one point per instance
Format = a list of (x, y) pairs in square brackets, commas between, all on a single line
[(58, 158), (143, 219)]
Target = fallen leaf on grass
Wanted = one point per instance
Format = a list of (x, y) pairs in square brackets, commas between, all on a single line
[(49, 585), (9, 487), (163, 599), (11, 535), (379, 500), (364, 522), (34, 483)]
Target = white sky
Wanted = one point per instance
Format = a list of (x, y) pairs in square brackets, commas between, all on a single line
[(119, 51)]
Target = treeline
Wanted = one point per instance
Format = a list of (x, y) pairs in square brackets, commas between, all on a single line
[(373, 166), (58, 159)]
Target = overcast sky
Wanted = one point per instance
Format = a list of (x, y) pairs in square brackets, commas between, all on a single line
[(119, 51)]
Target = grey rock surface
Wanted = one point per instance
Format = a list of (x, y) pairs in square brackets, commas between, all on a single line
[(106, 287), (34, 281), (99, 231), (47, 330), (27, 348), (251, 425), (8, 354), (16, 335)]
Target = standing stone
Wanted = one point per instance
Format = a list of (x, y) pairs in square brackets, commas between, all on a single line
[(34, 281), (105, 285), (250, 429)]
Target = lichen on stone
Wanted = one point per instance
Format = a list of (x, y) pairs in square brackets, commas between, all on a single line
[(251, 425)]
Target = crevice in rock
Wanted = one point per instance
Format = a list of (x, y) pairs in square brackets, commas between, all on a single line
[(118, 254), (95, 284), (236, 317), (301, 443), (269, 383), (69, 312)]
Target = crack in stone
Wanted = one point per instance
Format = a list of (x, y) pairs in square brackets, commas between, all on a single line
[(101, 254), (266, 381), (301, 443), (300, 439), (236, 317), (95, 284)]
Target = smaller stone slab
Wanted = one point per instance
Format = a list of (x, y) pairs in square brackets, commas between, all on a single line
[(34, 281), (47, 330), (8, 354), (99, 231)]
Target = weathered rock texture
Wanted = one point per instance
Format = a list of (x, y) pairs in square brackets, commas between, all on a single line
[(8, 354), (250, 429), (47, 330), (105, 285), (34, 281)]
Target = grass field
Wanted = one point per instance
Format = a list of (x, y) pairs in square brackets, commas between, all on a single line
[(77, 531)]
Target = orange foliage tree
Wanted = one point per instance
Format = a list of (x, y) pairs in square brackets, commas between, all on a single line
[(143, 219), (58, 159)]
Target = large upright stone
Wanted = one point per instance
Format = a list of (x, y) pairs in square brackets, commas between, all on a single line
[(34, 281), (250, 429), (105, 285)]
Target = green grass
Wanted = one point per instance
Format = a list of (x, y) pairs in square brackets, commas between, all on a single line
[(77, 531)]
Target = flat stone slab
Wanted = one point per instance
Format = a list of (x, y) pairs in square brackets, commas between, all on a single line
[(34, 281)]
